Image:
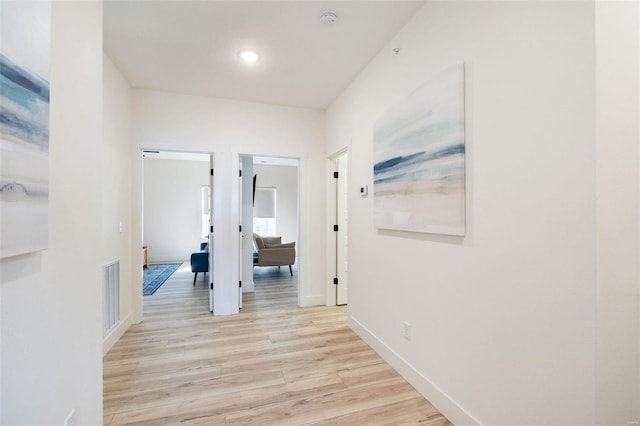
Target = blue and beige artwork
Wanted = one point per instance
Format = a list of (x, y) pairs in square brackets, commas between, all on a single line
[(24, 126), (419, 152)]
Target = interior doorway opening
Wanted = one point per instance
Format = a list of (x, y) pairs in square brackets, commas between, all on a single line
[(176, 212), (269, 217), (338, 242)]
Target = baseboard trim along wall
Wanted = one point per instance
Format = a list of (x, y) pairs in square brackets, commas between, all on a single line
[(317, 300), (456, 414), (115, 334), (166, 260)]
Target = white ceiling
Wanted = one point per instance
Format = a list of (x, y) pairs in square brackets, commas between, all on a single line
[(191, 47)]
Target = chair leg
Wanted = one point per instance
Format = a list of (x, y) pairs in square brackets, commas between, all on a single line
[(290, 270), (195, 277)]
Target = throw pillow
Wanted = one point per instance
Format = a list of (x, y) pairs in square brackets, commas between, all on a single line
[(286, 245), (259, 241), (272, 240)]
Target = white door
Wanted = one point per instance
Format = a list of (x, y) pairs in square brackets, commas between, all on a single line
[(210, 275), (240, 237), (246, 257), (342, 216)]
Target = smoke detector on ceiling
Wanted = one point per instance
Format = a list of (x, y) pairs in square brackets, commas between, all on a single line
[(328, 18)]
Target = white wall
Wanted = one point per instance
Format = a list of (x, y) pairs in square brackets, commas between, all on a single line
[(503, 319), (229, 128), (618, 174), (285, 180), (116, 190), (51, 301), (173, 208)]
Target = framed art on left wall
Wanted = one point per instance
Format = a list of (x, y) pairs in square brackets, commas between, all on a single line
[(25, 29)]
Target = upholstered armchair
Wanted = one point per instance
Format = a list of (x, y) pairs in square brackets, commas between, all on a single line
[(271, 252), (200, 261)]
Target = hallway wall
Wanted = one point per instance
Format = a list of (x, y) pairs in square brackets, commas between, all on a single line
[(229, 128), (618, 212), (503, 319), (50, 316), (116, 206)]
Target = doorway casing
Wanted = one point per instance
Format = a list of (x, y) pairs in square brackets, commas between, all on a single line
[(337, 292)]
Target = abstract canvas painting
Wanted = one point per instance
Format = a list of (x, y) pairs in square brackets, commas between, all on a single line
[(24, 126), (419, 156)]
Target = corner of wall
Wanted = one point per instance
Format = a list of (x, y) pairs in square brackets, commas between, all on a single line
[(618, 231), (440, 400), (116, 333)]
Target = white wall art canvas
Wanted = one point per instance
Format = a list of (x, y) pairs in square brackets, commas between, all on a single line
[(24, 126), (419, 155)]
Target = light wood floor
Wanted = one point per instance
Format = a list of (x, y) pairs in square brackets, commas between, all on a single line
[(273, 364)]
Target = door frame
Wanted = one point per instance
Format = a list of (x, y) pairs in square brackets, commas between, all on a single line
[(331, 237), (137, 305), (249, 239)]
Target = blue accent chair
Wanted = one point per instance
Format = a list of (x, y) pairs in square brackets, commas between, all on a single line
[(200, 261)]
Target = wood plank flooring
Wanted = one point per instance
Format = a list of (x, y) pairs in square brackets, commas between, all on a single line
[(273, 364)]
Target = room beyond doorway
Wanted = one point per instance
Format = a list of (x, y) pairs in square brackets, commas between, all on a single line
[(270, 209), (176, 212), (173, 185)]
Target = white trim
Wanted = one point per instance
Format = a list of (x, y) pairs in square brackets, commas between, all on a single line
[(316, 300), (305, 218), (440, 400), (330, 207), (115, 334), (330, 249)]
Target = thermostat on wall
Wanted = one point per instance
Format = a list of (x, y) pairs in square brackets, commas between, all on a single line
[(364, 191)]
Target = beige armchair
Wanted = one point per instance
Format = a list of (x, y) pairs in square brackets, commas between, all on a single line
[(271, 252)]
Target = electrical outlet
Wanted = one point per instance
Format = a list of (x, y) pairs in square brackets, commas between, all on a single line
[(406, 330), (71, 419)]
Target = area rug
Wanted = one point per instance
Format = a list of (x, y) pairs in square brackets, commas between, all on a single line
[(155, 275)]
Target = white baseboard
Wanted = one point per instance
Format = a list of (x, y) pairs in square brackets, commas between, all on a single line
[(447, 406), (116, 333), (165, 260), (316, 300)]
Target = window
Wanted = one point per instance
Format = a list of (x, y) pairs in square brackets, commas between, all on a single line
[(264, 211), (206, 210)]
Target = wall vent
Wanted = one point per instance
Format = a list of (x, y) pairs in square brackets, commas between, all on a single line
[(111, 296)]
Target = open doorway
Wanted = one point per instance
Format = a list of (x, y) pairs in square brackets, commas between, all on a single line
[(269, 219), (338, 293), (176, 217)]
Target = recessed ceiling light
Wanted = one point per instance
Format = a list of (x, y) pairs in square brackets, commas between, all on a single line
[(249, 56)]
